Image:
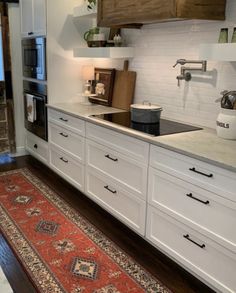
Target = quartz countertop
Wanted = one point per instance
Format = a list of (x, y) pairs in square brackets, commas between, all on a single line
[(203, 144)]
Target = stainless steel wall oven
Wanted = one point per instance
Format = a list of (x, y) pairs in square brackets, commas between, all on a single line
[(35, 100)]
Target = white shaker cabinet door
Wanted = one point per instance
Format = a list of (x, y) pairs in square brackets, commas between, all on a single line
[(26, 8), (39, 17), (33, 18)]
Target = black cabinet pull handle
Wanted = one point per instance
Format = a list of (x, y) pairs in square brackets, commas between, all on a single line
[(62, 134), (195, 198), (189, 239), (63, 160), (112, 191), (63, 119), (30, 33), (201, 173), (110, 158), (35, 146)]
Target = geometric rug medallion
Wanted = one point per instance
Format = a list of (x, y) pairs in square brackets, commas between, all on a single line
[(58, 248)]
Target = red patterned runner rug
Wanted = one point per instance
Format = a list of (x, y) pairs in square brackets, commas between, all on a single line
[(59, 249)]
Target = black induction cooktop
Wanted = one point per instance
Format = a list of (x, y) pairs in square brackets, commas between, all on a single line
[(164, 127)]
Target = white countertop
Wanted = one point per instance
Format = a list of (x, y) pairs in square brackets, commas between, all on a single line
[(202, 144)]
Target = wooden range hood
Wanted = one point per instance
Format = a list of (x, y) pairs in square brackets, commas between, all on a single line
[(126, 13)]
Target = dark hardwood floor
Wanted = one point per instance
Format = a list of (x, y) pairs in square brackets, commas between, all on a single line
[(167, 271)]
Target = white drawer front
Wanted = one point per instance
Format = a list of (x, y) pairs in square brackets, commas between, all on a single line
[(211, 262), (127, 171), (67, 140), (72, 123), (195, 206), (207, 176), (67, 167), (116, 200), (125, 144), (37, 147)]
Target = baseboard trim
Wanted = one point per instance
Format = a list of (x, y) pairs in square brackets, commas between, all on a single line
[(20, 151)]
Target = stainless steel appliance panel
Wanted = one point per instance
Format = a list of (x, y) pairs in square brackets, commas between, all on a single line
[(39, 93), (34, 58)]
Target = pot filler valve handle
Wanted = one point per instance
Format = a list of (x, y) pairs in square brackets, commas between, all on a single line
[(184, 70)]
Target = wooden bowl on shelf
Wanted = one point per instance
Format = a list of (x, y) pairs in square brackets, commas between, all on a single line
[(96, 44)]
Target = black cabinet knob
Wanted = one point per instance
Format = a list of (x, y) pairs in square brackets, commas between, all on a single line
[(35, 146)]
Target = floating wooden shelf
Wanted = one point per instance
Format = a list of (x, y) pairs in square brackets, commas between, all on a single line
[(219, 52), (83, 12), (104, 52)]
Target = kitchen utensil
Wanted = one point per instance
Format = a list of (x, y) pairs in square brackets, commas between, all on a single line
[(145, 113), (226, 120), (228, 100), (124, 86)]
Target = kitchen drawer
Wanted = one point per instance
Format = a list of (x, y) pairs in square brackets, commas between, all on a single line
[(196, 252), (67, 141), (116, 200), (37, 147), (133, 148), (67, 121), (66, 166), (214, 215), (127, 171), (210, 177)]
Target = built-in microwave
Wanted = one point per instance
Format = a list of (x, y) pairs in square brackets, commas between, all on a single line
[(34, 58)]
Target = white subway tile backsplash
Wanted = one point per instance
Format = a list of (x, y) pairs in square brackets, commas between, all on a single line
[(158, 46)]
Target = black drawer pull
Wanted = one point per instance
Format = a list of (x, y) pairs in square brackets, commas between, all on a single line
[(62, 134), (189, 239), (110, 158), (112, 191), (35, 146), (201, 173), (30, 33), (63, 119), (195, 198), (63, 160)]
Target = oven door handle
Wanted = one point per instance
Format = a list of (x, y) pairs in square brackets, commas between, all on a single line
[(38, 98)]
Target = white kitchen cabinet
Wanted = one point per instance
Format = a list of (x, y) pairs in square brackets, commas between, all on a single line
[(116, 199), (67, 167), (210, 261), (205, 211), (125, 144), (116, 174), (130, 173), (191, 215), (67, 147), (67, 121), (37, 147), (33, 18), (207, 176), (67, 140)]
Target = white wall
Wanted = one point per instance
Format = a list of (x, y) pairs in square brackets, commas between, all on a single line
[(158, 46), (15, 42), (65, 82)]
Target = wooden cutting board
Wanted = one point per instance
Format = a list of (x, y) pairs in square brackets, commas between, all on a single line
[(123, 92)]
